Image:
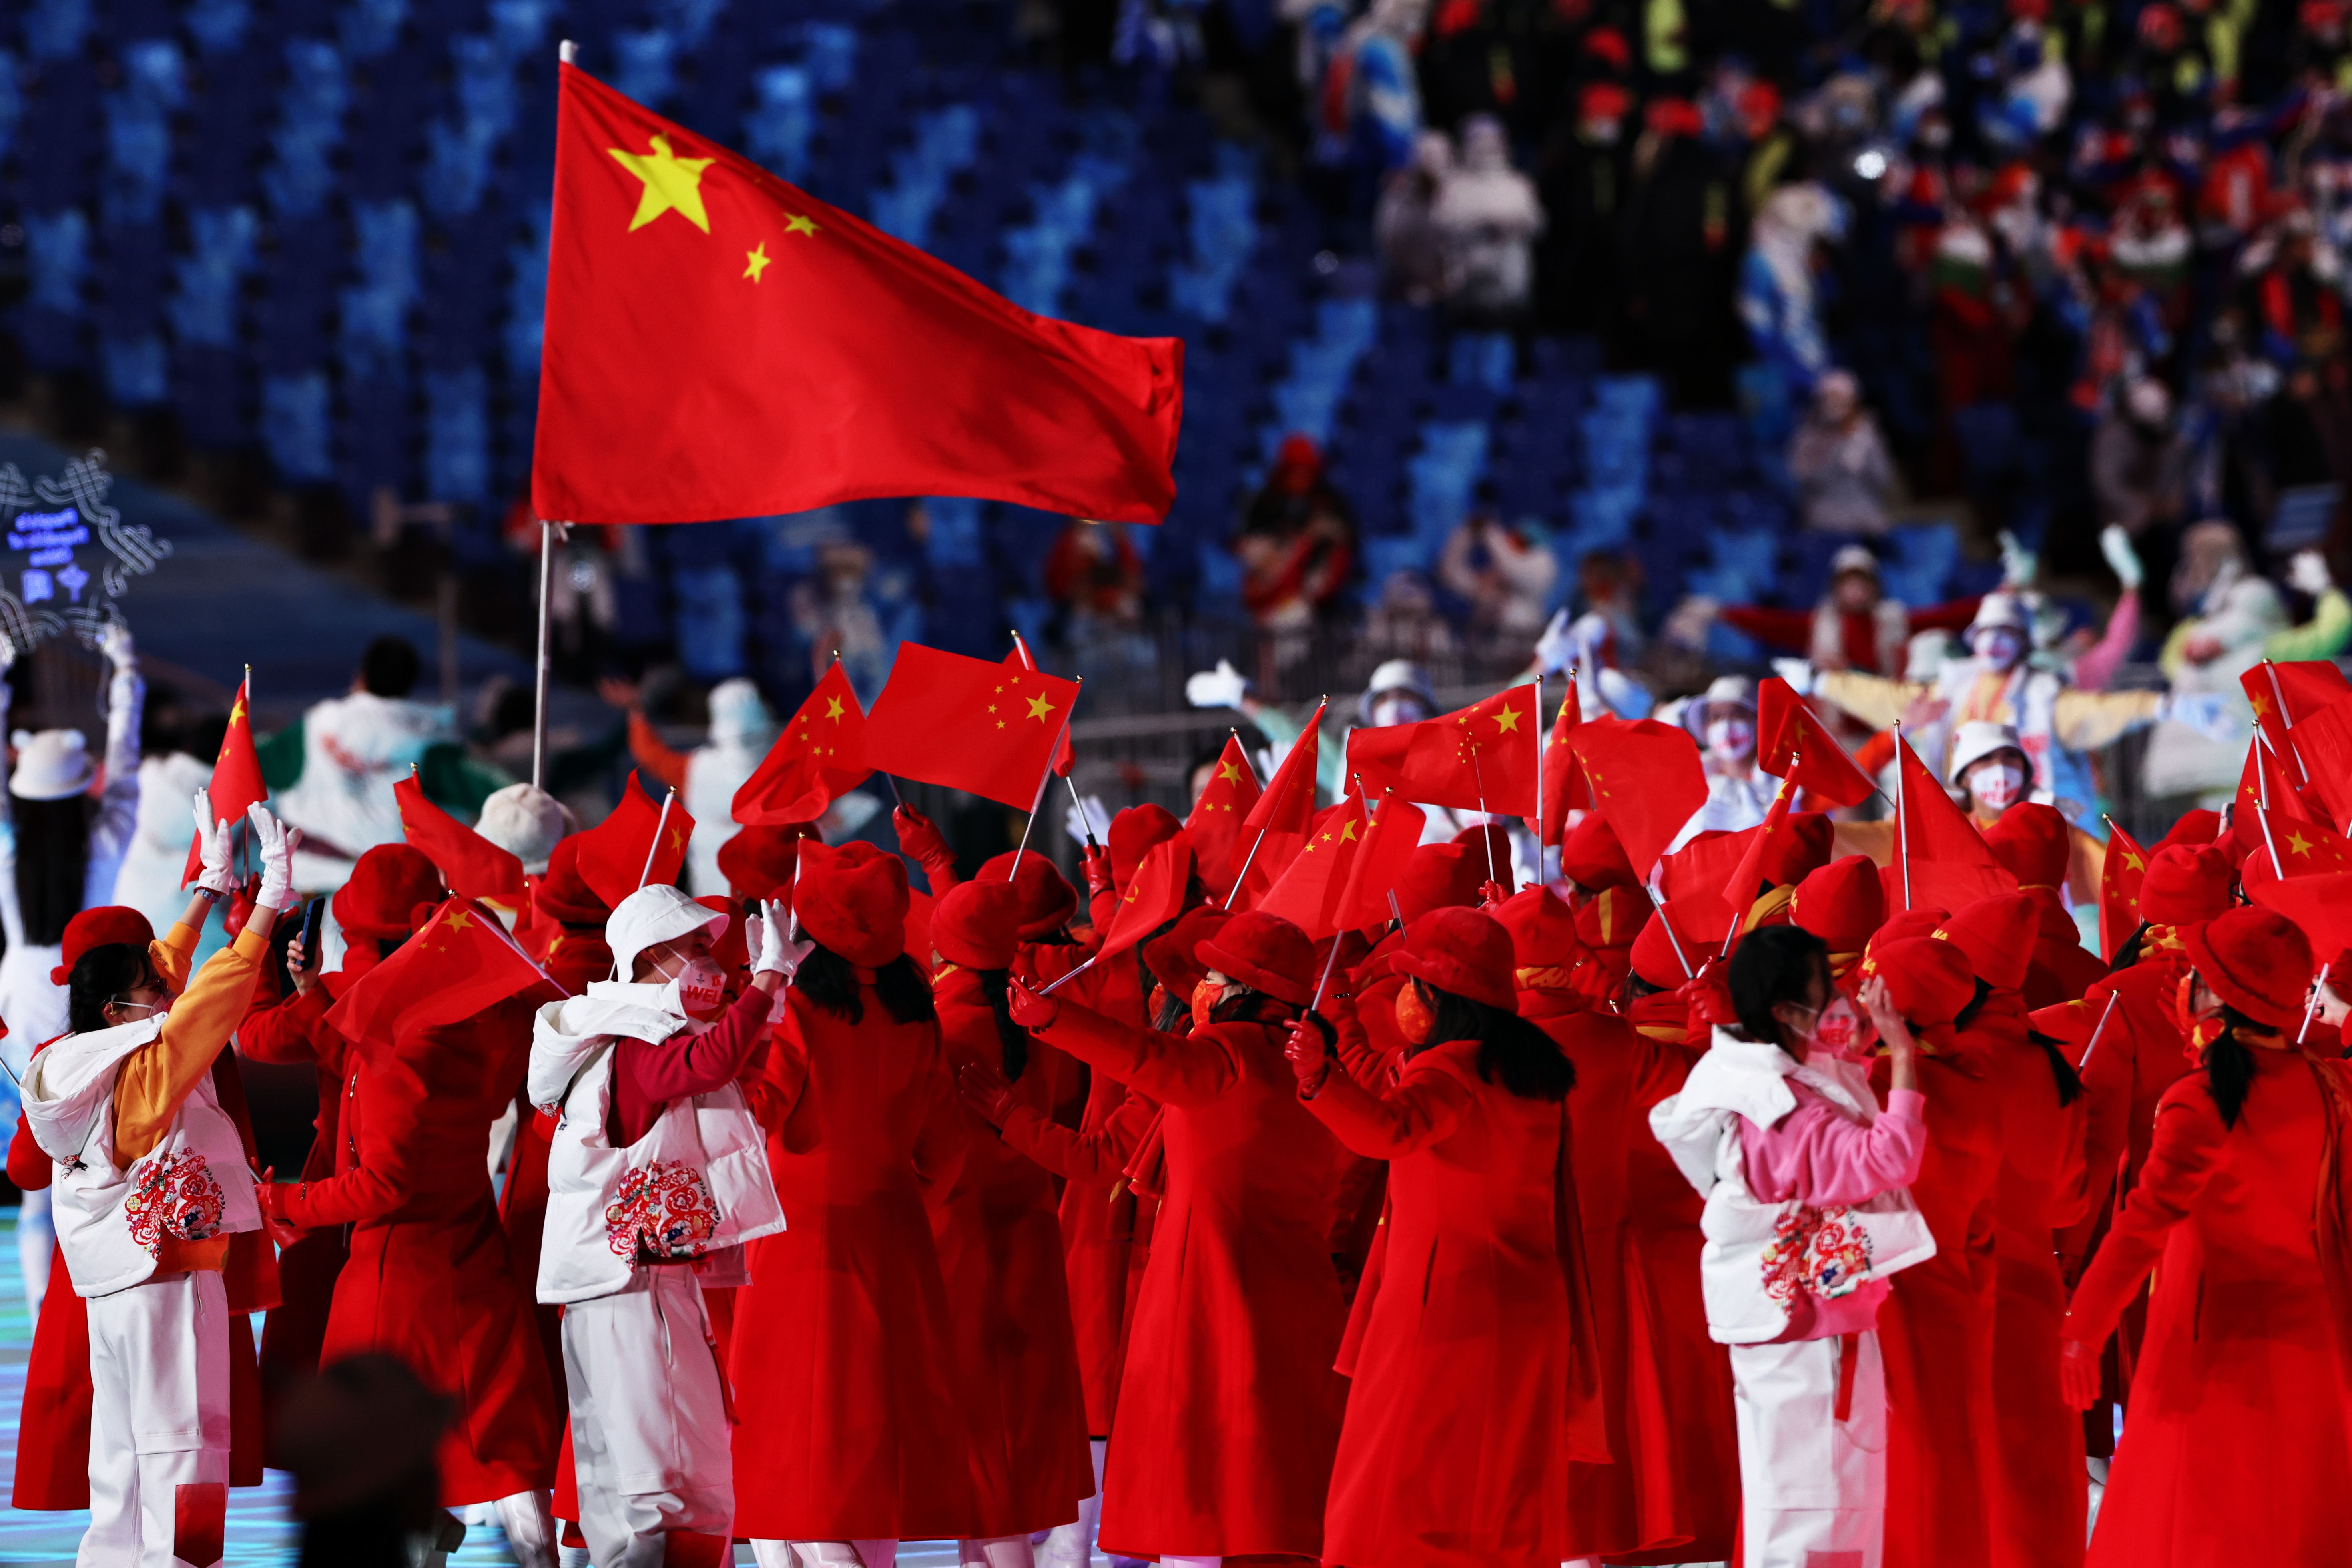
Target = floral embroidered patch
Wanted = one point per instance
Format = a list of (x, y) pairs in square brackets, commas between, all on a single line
[(664, 1210), (174, 1196), (1823, 1252)]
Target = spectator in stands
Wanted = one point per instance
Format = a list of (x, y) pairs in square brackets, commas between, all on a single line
[(1487, 218), (1505, 574), (1095, 577), (705, 778), (354, 748), (1777, 296), (2139, 468), (1403, 623), (1404, 225), (833, 613), (1844, 477), (1581, 183), (1855, 627), (1297, 543)]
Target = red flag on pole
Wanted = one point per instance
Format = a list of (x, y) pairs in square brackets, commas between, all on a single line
[(1785, 725), (2323, 740), (1739, 892), (1949, 863), (1309, 891), (1277, 821), (237, 775), (2321, 905), (2285, 695), (2264, 786), (472, 866), (2120, 875), (1215, 825), (1393, 833), (614, 853), (460, 964), (717, 344), (1564, 786), (1482, 757), (989, 730), (1154, 895), (1647, 780), (1022, 658), (814, 762)]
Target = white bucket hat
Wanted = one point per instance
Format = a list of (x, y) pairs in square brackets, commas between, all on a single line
[(1977, 739), (2001, 610), (52, 765), (651, 916), (527, 821)]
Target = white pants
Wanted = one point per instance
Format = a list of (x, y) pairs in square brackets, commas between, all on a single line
[(1813, 1487), (825, 1553), (34, 1232), (650, 1440), (159, 1424), (1073, 1545)]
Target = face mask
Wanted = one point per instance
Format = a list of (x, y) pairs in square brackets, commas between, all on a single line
[(1206, 994), (1414, 1019), (2001, 648), (1391, 710), (1731, 739), (1997, 786), (1841, 1031), (696, 991), (2199, 1030)]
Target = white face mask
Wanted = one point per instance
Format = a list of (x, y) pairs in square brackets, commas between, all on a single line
[(1840, 1030), (1996, 785), (696, 991), (1400, 709), (1733, 740), (2001, 647)]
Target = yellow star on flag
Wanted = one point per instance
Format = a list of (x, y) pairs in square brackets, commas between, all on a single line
[(459, 919), (833, 708), (1228, 773), (1347, 833), (1507, 721), (672, 184), (555, 944), (236, 711), (1039, 708), (2298, 843), (678, 839), (797, 223), (755, 261), (2132, 862)]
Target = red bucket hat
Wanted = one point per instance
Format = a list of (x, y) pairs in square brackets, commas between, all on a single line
[(974, 925), (2033, 841), (387, 883), (1997, 935), (1264, 952), (1046, 898), (2256, 960), (1929, 982), (563, 894), (1440, 876), (1133, 832), (2199, 826), (852, 901), (108, 925), (758, 860), (1170, 956), (1592, 857), (1608, 921), (2186, 885), (1542, 929), (1844, 904), (1466, 952)]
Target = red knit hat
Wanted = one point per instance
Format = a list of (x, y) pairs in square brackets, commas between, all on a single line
[(1929, 982), (1466, 952), (1133, 832), (2034, 842), (1608, 921), (1801, 847), (386, 883), (1047, 900), (563, 894), (1996, 933), (1479, 840), (108, 925), (1264, 952), (1170, 956), (1844, 904), (2186, 885), (852, 901), (1592, 857), (2198, 826), (2256, 960), (973, 925), (758, 860), (1698, 922), (1542, 929), (1440, 876)]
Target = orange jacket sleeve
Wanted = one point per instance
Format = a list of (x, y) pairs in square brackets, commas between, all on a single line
[(155, 1078)]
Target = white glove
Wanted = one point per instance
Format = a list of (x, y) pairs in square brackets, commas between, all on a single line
[(114, 642), (7, 653), (2018, 565), (2207, 712), (1625, 696), (1797, 673), (213, 834), (778, 954), (277, 844), (1686, 626), (2308, 573), (1219, 688), (1087, 821), (2122, 559), (1555, 648)]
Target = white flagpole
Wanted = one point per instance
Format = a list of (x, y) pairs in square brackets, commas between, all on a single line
[(653, 850), (1044, 783)]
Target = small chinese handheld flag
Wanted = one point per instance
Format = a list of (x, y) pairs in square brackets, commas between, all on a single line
[(237, 775), (1948, 862), (1022, 658), (472, 866), (1481, 758), (461, 962), (1215, 825), (2293, 848), (2285, 695), (816, 760), (1739, 889), (1389, 840), (2122, 871), (1308, 892), (1154, 895), (2321, 905), (989, 730), (1565, 788), (1278, 819), (1786, 724), (2323, 741), (720, 344), (636, 845), (1647, 780)]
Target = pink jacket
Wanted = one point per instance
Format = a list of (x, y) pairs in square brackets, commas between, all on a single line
[(1822, 1155)]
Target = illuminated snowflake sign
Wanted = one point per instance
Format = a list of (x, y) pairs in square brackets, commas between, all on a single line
[(43, 589)]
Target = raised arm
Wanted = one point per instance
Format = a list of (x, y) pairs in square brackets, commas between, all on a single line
[(393, 1104), (1188, 1070), (1425, 1106), (126, 699), (2188, 1139)]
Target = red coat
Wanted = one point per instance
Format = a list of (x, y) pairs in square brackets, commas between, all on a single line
[(1673, 1493), (843, 1361), (2239, 1434), (1229, 1411), (429, 1276), (294, 1032), (999, 1244), (1457, 1431)]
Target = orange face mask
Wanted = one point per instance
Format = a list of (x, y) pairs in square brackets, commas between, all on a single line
[(2197, 1031), (1206, 994), (1414, 1019)]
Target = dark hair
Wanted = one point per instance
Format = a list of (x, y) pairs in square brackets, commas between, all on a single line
[(1173, 1010), (52, 863), (829, 979), (390, 667), (98, 977), (1773, 964), (1968, 1014), (2129, 954), (1250, 1007), (2230, 1065), (1012, 1039), (2070, 1082), (1528, 1060), (1637, 987)]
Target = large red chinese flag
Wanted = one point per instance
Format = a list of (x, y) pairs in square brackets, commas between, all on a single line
[(1647, 780), (635, 846), (472, 866), (461, 962), (2121, 872), (1215, 825), (1309, 891), (1481, 758), (237, 775), (1941, 861), (1278, 819), (987, 729), (720, 344), (1786, 727), (1022, 658), (816, 760)]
